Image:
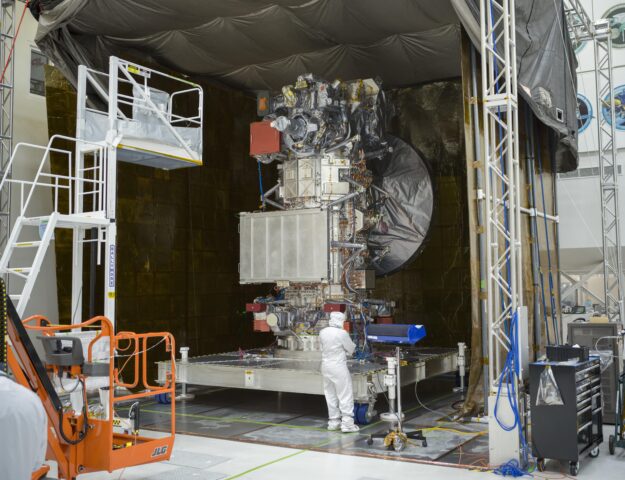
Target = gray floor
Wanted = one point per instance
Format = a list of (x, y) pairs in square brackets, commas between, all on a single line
[(200, 458), (231, 434), (299, 421)]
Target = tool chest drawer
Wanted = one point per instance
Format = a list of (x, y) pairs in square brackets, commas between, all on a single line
[(571, 425)]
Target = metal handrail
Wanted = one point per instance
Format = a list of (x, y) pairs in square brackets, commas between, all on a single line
[(100, 90), (127, 68), (55, 179), (109, 92), (160, 115)]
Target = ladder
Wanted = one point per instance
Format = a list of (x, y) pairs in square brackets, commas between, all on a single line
[(79, 203), (26, 273), (133, 128)]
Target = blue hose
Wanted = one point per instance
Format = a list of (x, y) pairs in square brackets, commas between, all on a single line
[(511, 468), (260, 184), (511, 368)]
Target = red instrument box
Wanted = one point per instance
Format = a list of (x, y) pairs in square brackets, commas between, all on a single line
[(261, 326), (264, 139), (255, 307), (334, 307)]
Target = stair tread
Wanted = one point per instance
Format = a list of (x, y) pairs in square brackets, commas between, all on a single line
[(34, 243)]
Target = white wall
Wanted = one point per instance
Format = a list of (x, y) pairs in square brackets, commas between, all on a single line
[(30, 125)]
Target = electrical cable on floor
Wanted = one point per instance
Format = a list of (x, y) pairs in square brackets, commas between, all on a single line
[(510, 374), (512, 468), (478, 433), (437, 412), (457, 405)]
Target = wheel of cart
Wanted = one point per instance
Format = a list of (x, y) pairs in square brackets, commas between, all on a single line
[(398, 443), (363, 413), (574, 468), (163, 398), (618, 439)]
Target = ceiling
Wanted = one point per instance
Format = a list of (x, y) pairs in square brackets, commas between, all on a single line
[(263, 44)]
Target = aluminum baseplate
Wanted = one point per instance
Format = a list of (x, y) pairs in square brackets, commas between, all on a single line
[(259, 370)]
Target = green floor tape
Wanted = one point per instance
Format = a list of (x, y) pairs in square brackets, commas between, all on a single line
[(238, 420), (272, 424), (299, 452)]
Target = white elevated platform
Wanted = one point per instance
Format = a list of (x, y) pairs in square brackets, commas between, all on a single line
[(68, 221), (120, 116), (152, 126)]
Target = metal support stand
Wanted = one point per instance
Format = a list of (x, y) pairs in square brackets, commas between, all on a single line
[(395, 438), (461, 368), (182, 375)]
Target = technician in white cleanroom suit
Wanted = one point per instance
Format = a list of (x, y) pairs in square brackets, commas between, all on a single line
[(337, 382), (23, 431)]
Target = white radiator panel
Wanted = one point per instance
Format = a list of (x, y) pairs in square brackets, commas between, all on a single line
[(287, 245)]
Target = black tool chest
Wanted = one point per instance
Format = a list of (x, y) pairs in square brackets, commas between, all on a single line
[(566, 432)]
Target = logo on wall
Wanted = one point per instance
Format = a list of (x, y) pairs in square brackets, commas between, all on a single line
[(584, 113), (619, 107), (616, 16)]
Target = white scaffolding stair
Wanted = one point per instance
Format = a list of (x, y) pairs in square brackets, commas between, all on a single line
[(28, 274), (32, 235), (145, 127)]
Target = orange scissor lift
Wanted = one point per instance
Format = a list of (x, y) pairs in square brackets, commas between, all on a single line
[(78, 441)]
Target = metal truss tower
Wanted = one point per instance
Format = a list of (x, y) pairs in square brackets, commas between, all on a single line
[(501, 179), (7, 34), (581, 28), (610, 219), (502, 220)]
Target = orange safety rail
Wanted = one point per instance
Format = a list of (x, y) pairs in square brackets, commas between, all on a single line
[(106, 329), (143, 339), (103, 448), (40, 473), (128, 450), (132, 340)]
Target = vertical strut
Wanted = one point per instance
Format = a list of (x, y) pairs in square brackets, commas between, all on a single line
[(7, 33), (502, 222), (581, 28), (501, 178), (610, 219)]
